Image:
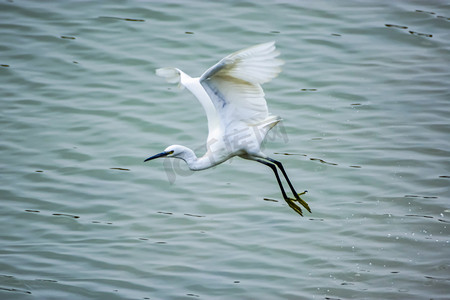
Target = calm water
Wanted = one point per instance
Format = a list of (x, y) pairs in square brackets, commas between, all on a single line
[(364, 95)]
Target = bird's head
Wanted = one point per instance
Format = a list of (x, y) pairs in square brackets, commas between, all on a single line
[(171, 151)]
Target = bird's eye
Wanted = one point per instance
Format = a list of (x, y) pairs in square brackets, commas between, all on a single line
[(170, 152)]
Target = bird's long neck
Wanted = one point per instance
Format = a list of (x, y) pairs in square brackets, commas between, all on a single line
[(196, 163)]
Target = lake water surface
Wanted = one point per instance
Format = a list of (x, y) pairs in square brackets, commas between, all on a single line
[(365, 99)]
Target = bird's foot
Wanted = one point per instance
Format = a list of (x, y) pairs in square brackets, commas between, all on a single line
[(293, 205), (302, 193), (302, 202)]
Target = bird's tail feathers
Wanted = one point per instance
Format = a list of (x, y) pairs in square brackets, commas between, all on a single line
[(264, 126), (268, 123)]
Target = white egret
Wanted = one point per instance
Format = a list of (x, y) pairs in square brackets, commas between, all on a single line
[(238, 119)]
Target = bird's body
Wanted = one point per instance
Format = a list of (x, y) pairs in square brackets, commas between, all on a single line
[(238, 119)]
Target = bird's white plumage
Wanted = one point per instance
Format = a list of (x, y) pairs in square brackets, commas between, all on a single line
[(231, 95), (233, 84), (171, 74), (257, 64), (238, 119)]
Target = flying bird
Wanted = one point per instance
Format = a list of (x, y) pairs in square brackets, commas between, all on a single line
[(238, 119)]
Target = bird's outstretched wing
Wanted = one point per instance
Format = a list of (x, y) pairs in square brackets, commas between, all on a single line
[(234, 83)]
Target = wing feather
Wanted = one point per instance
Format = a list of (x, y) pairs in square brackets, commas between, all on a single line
[(234, 83), (257, 64)]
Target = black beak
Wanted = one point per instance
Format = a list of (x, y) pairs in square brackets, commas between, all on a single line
[(162, 154)]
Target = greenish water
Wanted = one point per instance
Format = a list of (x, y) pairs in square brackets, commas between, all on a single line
[(364, 95)]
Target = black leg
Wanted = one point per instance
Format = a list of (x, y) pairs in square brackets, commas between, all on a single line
[(274, 169), (296, 195), (288, 200)]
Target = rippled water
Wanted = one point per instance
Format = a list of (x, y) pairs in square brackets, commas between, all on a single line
[(364, 95)]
